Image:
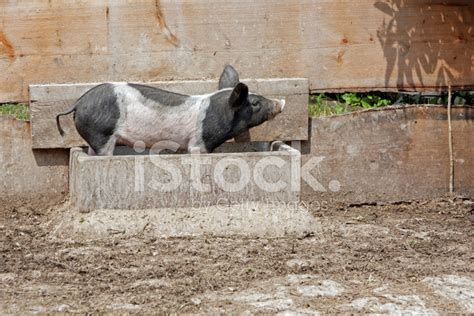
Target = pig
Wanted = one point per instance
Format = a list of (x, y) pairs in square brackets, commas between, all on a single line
[(113, 114)]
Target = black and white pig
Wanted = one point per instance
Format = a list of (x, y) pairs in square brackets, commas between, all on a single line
[(113, 114)]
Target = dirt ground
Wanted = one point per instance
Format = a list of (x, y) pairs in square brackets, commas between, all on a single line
[(411, 257)]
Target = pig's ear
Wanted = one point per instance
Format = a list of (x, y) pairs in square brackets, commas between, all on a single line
[(229, 78), (238, 97)]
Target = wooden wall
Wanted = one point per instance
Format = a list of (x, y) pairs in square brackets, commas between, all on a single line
[(389, 155), (29, 177), (337, 44)]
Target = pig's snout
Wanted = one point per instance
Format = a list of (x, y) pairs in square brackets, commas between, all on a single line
[(278, 106)]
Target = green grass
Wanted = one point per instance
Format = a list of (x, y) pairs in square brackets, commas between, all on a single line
[(338, 103), (325, 104), (19, 111), (325, 107)]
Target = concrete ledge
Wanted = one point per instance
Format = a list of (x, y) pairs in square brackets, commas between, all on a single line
[(251, 219)]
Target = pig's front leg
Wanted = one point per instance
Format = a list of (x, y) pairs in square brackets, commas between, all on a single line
[(197, 150), (196, 146), (91, 151)]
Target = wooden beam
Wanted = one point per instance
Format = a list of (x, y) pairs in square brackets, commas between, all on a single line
[(338, 44)]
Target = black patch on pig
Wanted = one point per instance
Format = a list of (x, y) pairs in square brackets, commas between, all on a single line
[(217, 123), (223, 122), (97, 114), (262, 109), (226, 116), (229, 78), (161, 96)]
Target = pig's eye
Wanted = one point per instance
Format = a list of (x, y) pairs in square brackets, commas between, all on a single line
[(255, 104)]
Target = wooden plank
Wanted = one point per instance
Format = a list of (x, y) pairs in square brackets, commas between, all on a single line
[(266, 87), (48, 100), (393, 154), (463, 150), (337, 44)]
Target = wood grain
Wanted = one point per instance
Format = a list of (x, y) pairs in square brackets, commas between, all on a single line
[(48, 100), (337, 44)]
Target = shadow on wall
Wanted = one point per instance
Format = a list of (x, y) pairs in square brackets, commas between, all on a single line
[(433, 37), (51, 157)]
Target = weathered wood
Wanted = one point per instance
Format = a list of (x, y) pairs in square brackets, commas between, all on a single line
[(463, 150), (48, 100), (394, 154), (337, 44), (32, 177)]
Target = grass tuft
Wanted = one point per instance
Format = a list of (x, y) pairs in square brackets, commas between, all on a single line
[(19, 111), (338, 103)]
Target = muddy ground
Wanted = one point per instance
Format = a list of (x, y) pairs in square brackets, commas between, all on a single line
[(412, 257)]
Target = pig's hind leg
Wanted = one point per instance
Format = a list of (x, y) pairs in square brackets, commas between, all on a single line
[(99, 144), (197, 150), (108, 148), (99, 133)]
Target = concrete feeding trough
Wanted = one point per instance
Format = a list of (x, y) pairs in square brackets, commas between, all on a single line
[(241, 189), (131, 181)]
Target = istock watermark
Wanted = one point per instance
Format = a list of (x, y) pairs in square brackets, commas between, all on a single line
[(269, 172)]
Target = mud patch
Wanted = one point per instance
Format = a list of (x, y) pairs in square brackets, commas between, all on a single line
[(406, 258)]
